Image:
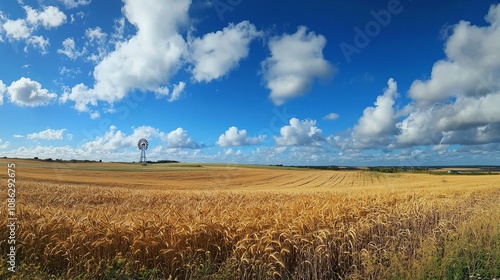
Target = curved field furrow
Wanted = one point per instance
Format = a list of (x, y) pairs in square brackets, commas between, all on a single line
[(325, 180), (342, 178), (334, 177), (310, 181), (290, 181)]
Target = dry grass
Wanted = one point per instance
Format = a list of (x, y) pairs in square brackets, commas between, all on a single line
[(227, 222)]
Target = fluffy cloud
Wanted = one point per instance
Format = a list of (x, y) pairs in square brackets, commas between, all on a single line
[(69, 72), (69, 49), (38, 43), (378, 123), (296, 61), (459, 103), (50, 17), (98, 40), (467, 120), (147, 132), (4, 145), (146, 61), (3, 89), (331, 117), (95, 34), (48, 134), (217, 53), (179, 138), (300, 133), (231, 152), (16, 29), (235, 137), (485, 134), (25, 92), (69, 4), (94, 115), (23, 29), (114, 139), (472, 64), (177, 91)]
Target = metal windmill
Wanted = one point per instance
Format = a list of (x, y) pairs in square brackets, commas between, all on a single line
[(143, 146)]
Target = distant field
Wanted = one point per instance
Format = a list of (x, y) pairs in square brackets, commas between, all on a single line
[(199, 177), (214, 221)]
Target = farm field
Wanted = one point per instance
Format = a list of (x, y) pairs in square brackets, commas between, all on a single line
[(209, 221)]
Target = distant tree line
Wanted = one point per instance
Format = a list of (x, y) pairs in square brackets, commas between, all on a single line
[(162, 161), (87, 160), (61, 160), (324, 167), (393, 169)]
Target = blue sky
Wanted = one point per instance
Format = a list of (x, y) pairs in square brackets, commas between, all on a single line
[(394, 82)]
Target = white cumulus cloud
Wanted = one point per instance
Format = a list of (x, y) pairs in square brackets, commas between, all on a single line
[(70, 4), (458, 104), (4, 145), (235, 137), (331, 116), (24, 29), (16, 29), (95, 34), (179, 138), (146, 61), (471, 67), (98, 40), (50, 17), (300, 133), (114, 139), (69, 49), (378, 123), (177, 91), (216, 53), (26, 92), (296, 61), (37, 42), (48, 134), (147, 132), (3, 89)]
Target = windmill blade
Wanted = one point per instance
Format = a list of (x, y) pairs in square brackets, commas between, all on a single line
[(142, 144)]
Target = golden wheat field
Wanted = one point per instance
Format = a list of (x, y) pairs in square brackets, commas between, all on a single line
[(208, 221)]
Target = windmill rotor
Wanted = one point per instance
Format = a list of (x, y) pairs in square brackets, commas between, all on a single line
[(143, 146)]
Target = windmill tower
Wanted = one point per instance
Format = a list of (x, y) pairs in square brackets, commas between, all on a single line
[(143, 146)]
